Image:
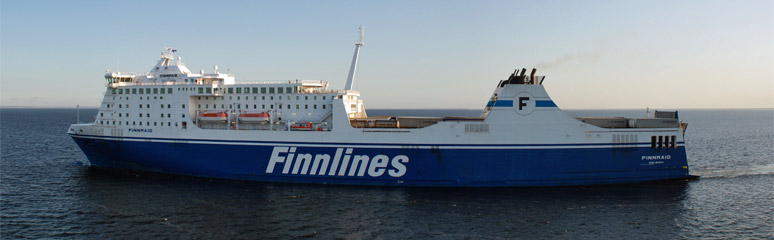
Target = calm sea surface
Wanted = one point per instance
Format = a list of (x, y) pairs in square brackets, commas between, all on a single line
[(47, 192)]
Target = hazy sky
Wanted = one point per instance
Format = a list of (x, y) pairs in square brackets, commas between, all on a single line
[(417, 54)]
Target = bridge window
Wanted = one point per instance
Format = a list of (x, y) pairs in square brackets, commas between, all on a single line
[(247, 90), (289, 89), (230, 90), (280, 90), (255, 90), (238, 90), (155, 91), (169, 90), (271, 90), (183, 105)]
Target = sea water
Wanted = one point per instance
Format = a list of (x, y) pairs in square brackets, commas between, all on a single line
[(48, 191)]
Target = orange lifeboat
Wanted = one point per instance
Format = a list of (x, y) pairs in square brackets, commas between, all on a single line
[(254, 117), (302, 127), (213, 116)]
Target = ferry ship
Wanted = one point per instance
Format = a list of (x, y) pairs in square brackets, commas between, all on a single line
[(173, 121)]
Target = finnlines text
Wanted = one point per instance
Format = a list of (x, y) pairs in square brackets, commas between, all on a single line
[(343, 163)]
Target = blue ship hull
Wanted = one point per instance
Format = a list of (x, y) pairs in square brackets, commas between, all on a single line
[(392, 164)]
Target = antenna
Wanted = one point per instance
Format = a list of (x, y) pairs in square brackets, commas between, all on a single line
[(360, 29), (353, 67)]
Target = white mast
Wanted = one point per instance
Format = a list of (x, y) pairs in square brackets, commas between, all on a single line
[(353, 67)]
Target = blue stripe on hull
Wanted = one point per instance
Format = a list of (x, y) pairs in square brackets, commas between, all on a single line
[(422, 167)]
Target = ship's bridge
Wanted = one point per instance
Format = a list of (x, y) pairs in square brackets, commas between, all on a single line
[(167, 71)]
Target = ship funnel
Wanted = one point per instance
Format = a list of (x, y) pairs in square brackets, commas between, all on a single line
[(532, 76)]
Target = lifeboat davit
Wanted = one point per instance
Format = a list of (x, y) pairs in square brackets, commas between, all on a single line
[(213, 116), (254, 117), (302, 127)]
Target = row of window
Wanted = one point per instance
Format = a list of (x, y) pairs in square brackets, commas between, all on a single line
[(209, 90), (169, 115), (146, 106), (142, 91), (137, 123), (253, 90), (256, 98), (255, 106), (146, 98), (663, 141)]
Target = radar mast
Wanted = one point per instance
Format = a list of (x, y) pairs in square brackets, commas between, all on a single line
[(353, 67)]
